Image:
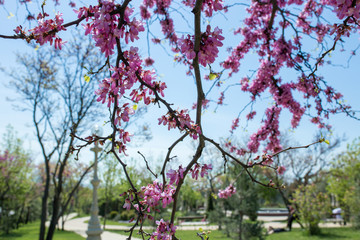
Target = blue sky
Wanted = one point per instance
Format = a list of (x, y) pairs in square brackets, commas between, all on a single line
[(181, 92)]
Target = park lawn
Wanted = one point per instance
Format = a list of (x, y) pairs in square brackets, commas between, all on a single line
[(327, 233), (298, 234), (31, 231)]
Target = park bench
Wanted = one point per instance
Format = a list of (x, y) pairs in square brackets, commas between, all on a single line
[(187, 218), (335, 219), (277, 212)]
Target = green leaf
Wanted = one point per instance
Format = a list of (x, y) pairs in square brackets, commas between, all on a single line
[(10, 15), (212, 76), (87, 78)]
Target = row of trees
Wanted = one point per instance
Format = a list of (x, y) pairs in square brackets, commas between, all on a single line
[(19, 188), (313, 197)]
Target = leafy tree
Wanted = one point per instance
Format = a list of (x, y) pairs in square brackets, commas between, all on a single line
[(344, 181), (53, 89), (230, 209), (191, 196), (109, 179), (17, 186), (313, 206), (245, 202)]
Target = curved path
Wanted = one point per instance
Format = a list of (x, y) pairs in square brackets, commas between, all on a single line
[(79, 226)]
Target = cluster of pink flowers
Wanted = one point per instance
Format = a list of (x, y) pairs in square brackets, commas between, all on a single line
[(234, 149), (221, 99), (175, 176), (275, 52), (155, 194), (344, 8), (203, 170), (164, 231), (103, 25), (210, 42), (208, 6), (181, 119), (46, 30), (205, 104), (269, 130), (251, 115), (166, 22), (228, 192), (266, 160), (123, 78), (235, 124)]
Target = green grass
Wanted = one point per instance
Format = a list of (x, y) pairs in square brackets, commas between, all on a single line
[(326, 233), (298, 234), (31, 232), (190, 235), (186, 235)]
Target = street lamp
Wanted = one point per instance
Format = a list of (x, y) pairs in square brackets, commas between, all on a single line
[(94, 229)]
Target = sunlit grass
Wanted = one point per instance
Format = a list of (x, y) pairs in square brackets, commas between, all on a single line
[(326, 233), (298, 234), (31, 232), (186, 234)]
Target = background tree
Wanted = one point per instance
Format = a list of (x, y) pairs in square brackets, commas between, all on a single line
[(313, 206), (344, 182), (18, 187), (53, 88), (244, 202), (303, 167), (74, 175), (110, 177)]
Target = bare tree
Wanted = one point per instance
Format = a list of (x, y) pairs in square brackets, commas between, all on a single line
[(53, 88), (307, 166)]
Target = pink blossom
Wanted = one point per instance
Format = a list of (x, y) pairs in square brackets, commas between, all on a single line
[(46, 30), (234, 125), (164, 231), (149, 61), (127, 204), (175, 176), (228, 192), (209, 45), (280, 170)]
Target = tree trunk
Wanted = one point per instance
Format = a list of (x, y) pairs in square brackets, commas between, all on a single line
[(240, 226), (44, 204), (55, 212), (55, 206), (27, 215), (19, 220)]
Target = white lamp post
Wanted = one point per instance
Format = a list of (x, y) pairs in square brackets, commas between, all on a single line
[(94, 229)]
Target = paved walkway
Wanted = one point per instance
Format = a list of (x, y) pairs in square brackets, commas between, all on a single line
[(79, 226)]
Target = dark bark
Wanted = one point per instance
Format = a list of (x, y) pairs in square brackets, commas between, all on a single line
[(240, 226), (27, 215), (44, 204), (20, 220)]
